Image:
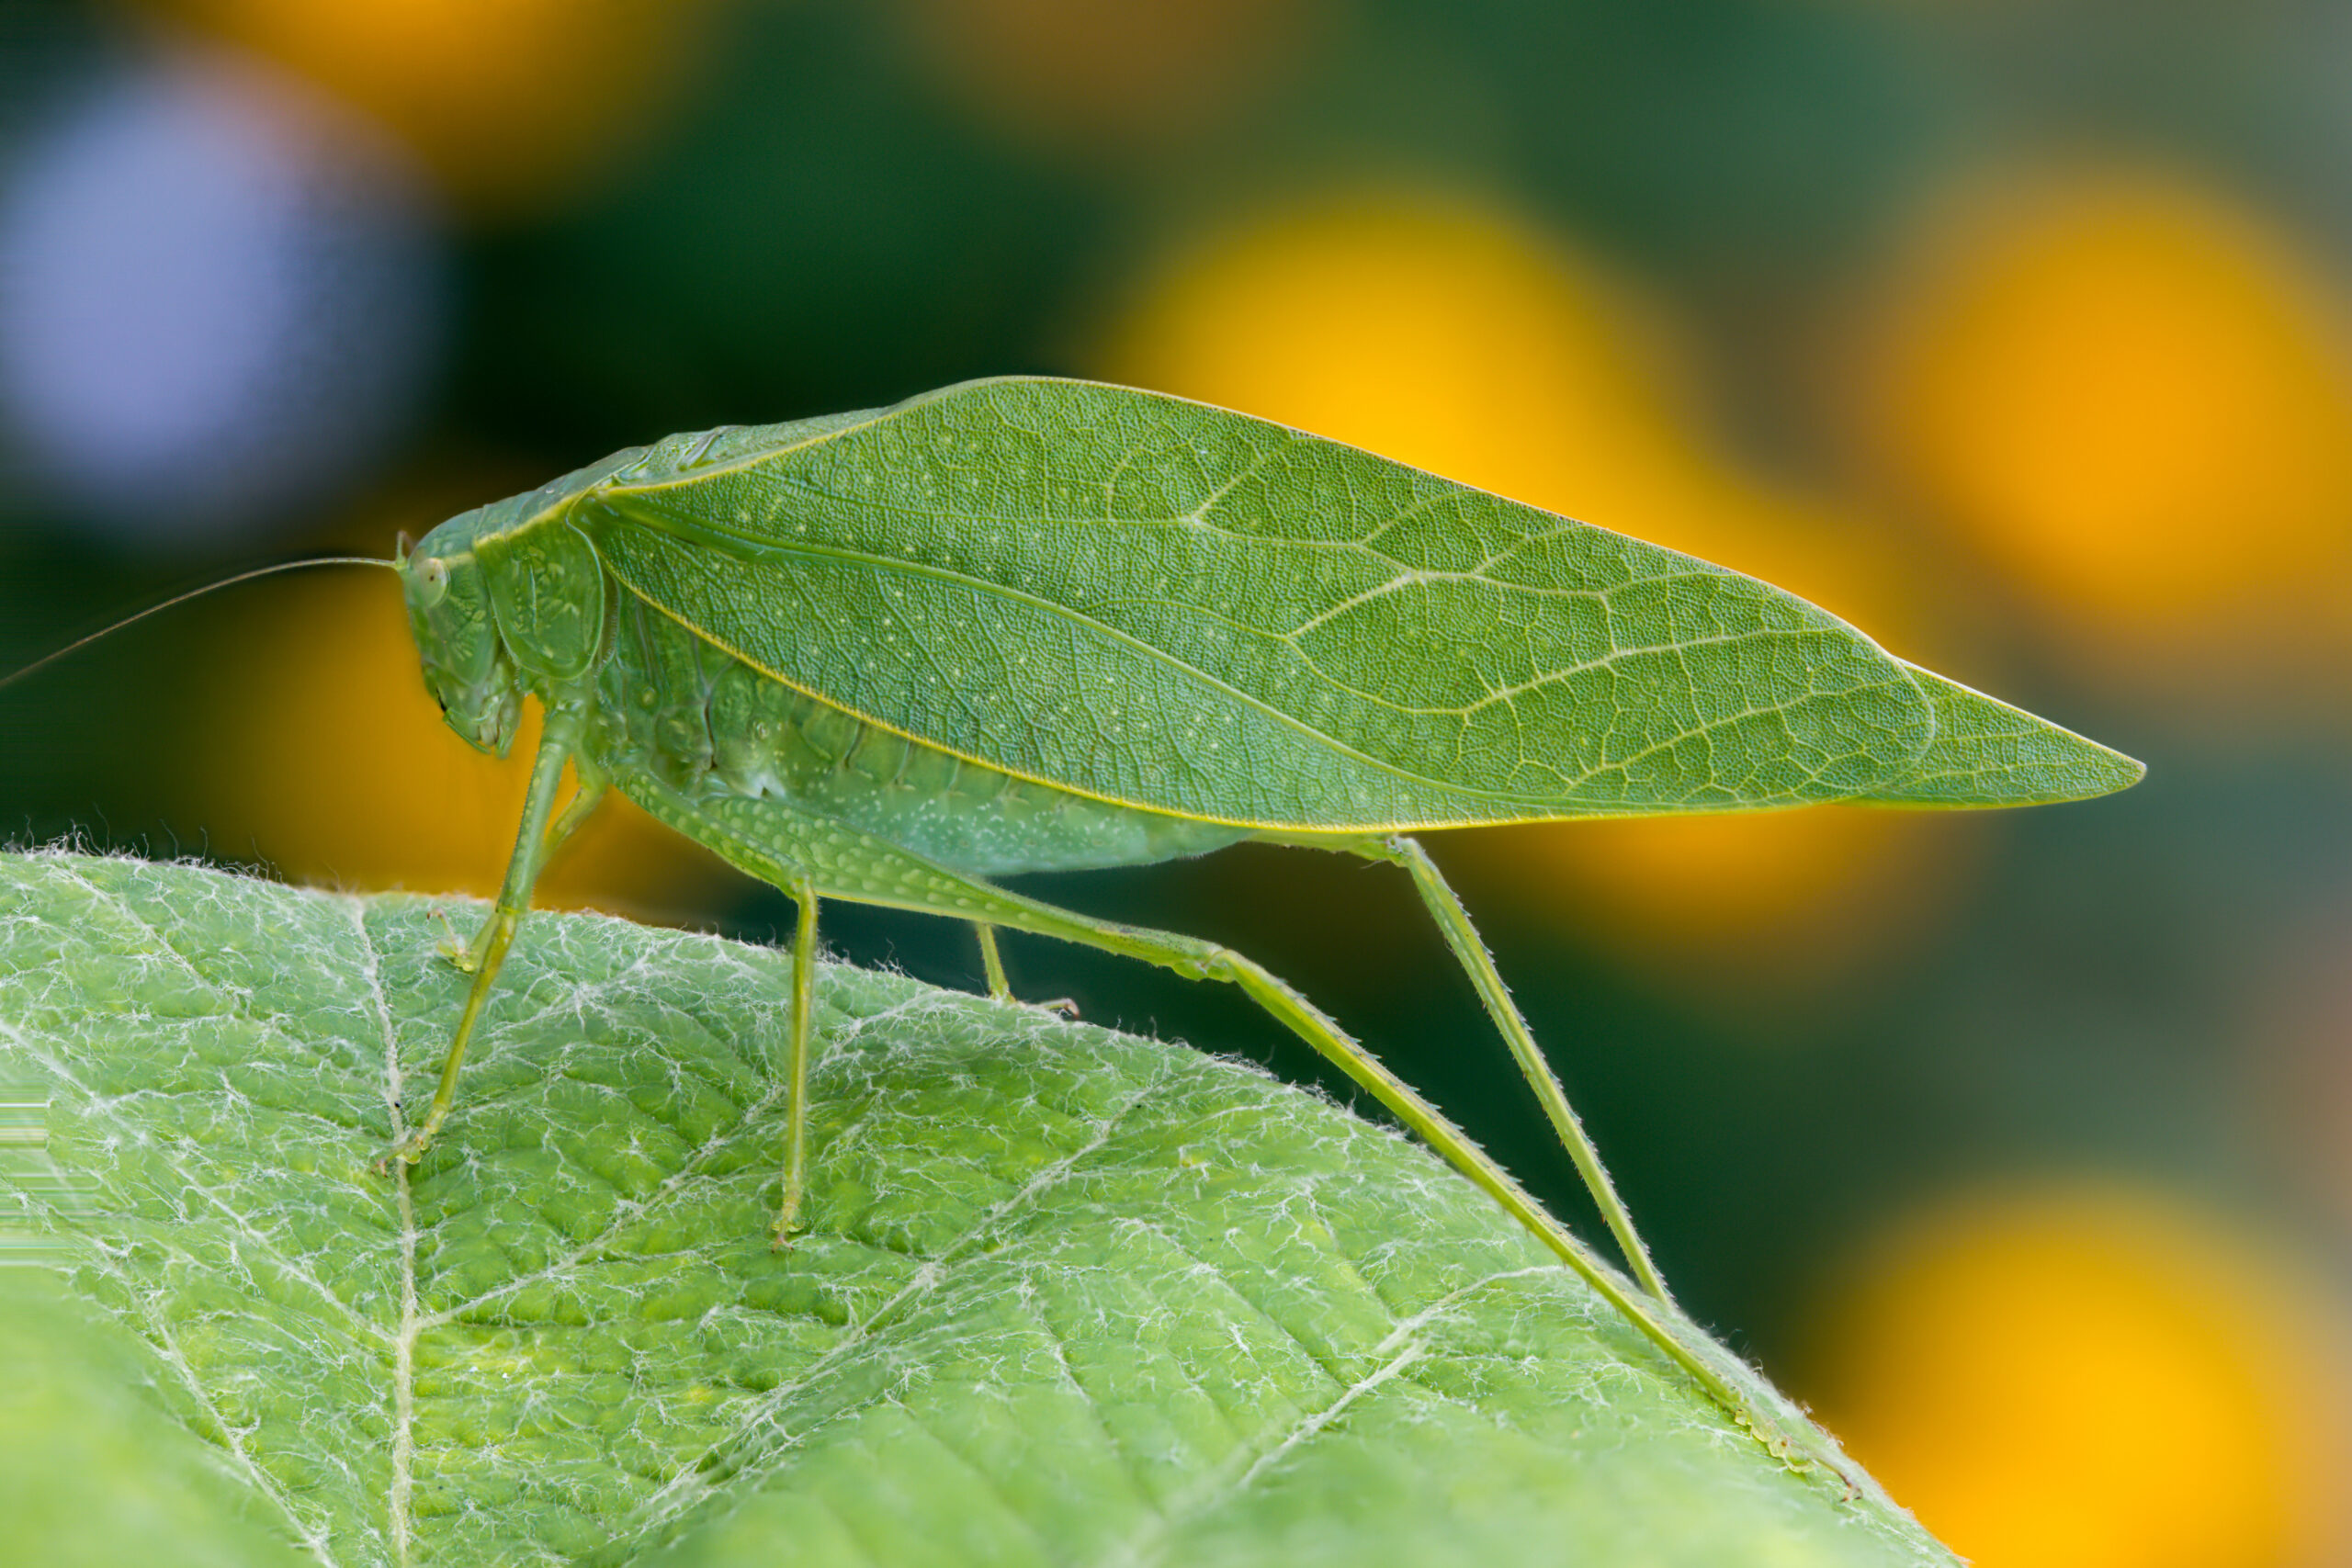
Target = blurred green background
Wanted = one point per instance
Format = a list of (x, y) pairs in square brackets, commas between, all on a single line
[(2019, 1145)]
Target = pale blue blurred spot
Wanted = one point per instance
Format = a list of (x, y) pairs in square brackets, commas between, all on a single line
[(219, 303)]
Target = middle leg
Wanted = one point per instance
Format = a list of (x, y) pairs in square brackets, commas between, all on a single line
[(489, 944), (795, 1126), (994, 961)]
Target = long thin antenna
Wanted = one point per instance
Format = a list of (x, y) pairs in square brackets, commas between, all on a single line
[(50, 658)]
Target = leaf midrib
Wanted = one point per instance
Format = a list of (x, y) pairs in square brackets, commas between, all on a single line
[(399, 1491)]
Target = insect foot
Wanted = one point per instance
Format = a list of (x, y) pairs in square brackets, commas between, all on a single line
[(455, 949), (408, 1151), (788, 1220)]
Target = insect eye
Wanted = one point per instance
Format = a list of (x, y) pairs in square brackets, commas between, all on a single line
[(433, 573)]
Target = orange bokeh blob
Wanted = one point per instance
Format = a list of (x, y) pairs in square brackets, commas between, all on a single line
[(321, 753), (1458, 339), (508, 101), (1736, 912), (2137, 401), (1085, 76), (2089, 1379)]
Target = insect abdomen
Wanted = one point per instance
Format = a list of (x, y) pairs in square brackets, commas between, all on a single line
[(714, 728)]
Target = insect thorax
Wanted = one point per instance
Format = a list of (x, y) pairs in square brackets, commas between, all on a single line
[(713, 727)]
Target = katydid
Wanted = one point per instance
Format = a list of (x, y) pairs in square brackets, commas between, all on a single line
[(1026, 625), (1035, 625)]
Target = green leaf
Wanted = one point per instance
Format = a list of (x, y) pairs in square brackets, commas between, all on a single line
[(92, 1471), (1070, 1296)]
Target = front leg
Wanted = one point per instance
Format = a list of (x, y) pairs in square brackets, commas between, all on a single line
[(466, 956), (489, 947)]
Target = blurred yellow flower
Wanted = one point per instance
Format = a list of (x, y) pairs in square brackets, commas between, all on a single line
[(1433, 330), (508, 101), (2137, 401), (2089, 1379), (1453, 336)]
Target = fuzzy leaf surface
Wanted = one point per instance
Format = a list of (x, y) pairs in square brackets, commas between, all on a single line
[(1069, 1296)]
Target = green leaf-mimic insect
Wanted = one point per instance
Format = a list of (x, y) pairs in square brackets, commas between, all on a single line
[(1029, 624)]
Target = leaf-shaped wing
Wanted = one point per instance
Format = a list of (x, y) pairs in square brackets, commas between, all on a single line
[(1987, 753), (1183, 608)]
